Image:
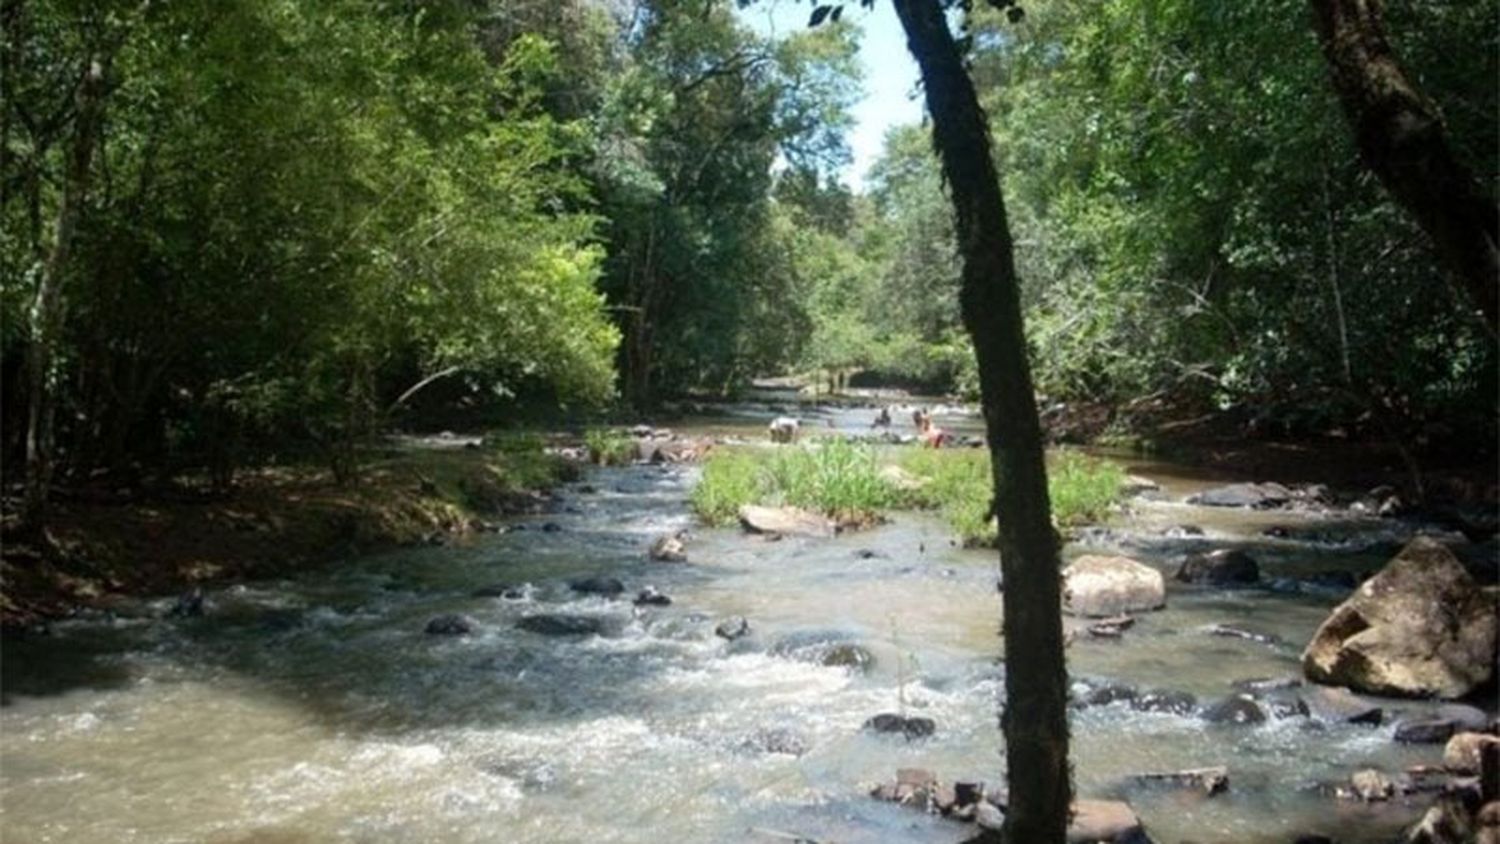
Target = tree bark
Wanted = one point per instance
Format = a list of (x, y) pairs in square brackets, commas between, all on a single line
[(1401, 138), (49, 308), (1035, 711)]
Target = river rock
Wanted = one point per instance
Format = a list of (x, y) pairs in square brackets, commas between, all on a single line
[(1463, 752), (553, 624), (1260, 496), (1420, 628), (1371, 785), (1235, 709), (1340, 706), (1097, 586), (668, 548), (1110, 821), (649, 597), (784, 521), (1224, 567), (912, 728), (1446, 822), (1441, 725), (598, 585), (734, 627), (451, 625), (846, 655), (1111, 693)]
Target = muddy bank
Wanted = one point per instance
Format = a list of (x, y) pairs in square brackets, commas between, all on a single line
[(107, 544)]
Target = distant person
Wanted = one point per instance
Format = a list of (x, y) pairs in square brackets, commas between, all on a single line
[(882, 419), (932, 436), (920, 419)]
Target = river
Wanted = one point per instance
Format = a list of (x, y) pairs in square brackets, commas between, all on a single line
[(317, 709)]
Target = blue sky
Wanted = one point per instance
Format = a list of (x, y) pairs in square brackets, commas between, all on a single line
[(890, 74)]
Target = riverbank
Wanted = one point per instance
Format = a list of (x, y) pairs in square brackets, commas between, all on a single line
[(108, 545)]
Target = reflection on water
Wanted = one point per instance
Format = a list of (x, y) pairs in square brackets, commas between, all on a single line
[(316, 709)]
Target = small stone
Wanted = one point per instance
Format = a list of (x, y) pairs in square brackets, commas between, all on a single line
[(1159, 700), (732, 628), (668, 548), (1211, 781), (561, 625)]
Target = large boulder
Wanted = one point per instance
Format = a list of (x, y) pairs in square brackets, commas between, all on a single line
[(784, 521), (1219, 568), (1100, 587), (1420, 628)]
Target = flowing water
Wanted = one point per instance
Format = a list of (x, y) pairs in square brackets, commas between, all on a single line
[(316, 709)]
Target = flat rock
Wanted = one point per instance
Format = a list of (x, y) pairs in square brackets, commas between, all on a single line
[(1101, 587), (1260, 496), (1105, 821), (785, 521), (1337, 705), (1421, 627)]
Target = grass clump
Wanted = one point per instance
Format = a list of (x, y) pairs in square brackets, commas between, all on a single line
[(731, 479), (839, 479), (609, 447), (958, 483)]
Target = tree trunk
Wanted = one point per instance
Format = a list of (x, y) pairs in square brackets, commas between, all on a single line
[(1401, 137), (1035, 712), (49, 309)]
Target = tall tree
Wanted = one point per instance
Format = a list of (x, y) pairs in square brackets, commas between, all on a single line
[(1035, 715), (1401, 137)]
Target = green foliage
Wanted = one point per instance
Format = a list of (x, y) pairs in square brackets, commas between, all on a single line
[(609, 447), (300, 210), (834, 477), (959, 484)]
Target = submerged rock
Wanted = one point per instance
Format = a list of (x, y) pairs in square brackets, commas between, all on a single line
[(1223, 567), (189, 605), (598, 585), (845, 655), (1260, 496), (553, 624), (1098, 586), (451, 625), (1211, 781), (1235, 709), (1164, 700), (507, 591), (1420, 628), (783, 740), (1232, 632), (785, 521)]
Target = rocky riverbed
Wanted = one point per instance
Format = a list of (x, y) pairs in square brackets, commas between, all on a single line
[(554, 681)]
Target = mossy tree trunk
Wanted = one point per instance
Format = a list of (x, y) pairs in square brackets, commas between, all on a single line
[(1035, 711)]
